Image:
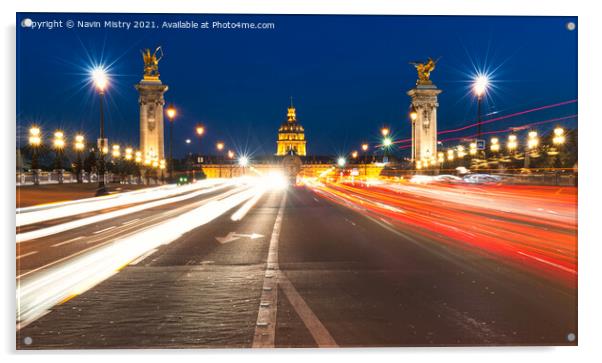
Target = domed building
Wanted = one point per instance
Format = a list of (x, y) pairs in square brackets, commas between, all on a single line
[(291, 135)]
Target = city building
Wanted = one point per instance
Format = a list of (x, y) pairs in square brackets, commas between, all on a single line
[(291, 135)]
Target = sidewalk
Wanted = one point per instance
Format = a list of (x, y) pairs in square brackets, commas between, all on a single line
[(30, 195)]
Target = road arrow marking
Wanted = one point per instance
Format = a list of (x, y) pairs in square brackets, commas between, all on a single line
[(233, 236)]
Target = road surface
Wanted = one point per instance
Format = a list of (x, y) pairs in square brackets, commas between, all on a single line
[(322, 265)]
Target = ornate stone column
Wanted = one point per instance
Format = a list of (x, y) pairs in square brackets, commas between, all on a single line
[(424, 128)]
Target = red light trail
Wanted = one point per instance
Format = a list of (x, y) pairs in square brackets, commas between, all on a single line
[(531, 228)]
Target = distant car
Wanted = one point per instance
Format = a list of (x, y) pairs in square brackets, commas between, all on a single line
[(447, 178), (482, 178)]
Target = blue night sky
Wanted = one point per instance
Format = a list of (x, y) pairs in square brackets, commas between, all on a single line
[(347, 74)]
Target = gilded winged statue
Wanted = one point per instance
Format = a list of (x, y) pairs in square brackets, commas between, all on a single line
[(151, 61), (424, 70)]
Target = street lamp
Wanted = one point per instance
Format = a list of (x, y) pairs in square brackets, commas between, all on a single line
[(341, 161), (59, 144), (559, 137), (532, 140), (440, 157), (35, 140), (461, 152), (495, 145), (101, 81), (230, 154), (220, 146), (200, 130), (128, 153), (354, 154), (116, 151), (450, 155), (171, 114), (413, 113), (79, 147), (243, 161), (512, 143), (480, 85), (473, 148)]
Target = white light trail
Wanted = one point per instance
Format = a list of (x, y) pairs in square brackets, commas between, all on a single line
[(43, 232), (38, 214), (38, 292)]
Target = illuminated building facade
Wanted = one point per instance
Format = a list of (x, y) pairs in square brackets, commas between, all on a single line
[(291, 136)]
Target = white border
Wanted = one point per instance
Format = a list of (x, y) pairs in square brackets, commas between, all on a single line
[(590, 304)]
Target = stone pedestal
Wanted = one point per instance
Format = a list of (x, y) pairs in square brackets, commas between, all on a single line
[(424, 128), (151, 104)]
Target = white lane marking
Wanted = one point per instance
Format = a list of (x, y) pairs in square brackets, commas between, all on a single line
[(314, 325), (549, 263), (26, 254), (103, 230), (130, 222), (265, 328), (67, 241)]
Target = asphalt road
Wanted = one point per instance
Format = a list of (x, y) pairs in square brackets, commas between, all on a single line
[(339, 277)]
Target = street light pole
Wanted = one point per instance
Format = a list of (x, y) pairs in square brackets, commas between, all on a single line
[(171, 113), (100, 79)]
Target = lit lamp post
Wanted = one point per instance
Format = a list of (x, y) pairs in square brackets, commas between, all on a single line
[(219, 146), (79, 148), (171, 114), (386, 142), (450, 155), (532, 143), (116, 153), (480, 87), (495, 145), (413, 118), (243, 161), (35, 140), (100, 79), (231, 161), (512, 143), (365, 153), (461, 152), (440, 158), (472, 150), (59, 144), (559, 137)]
